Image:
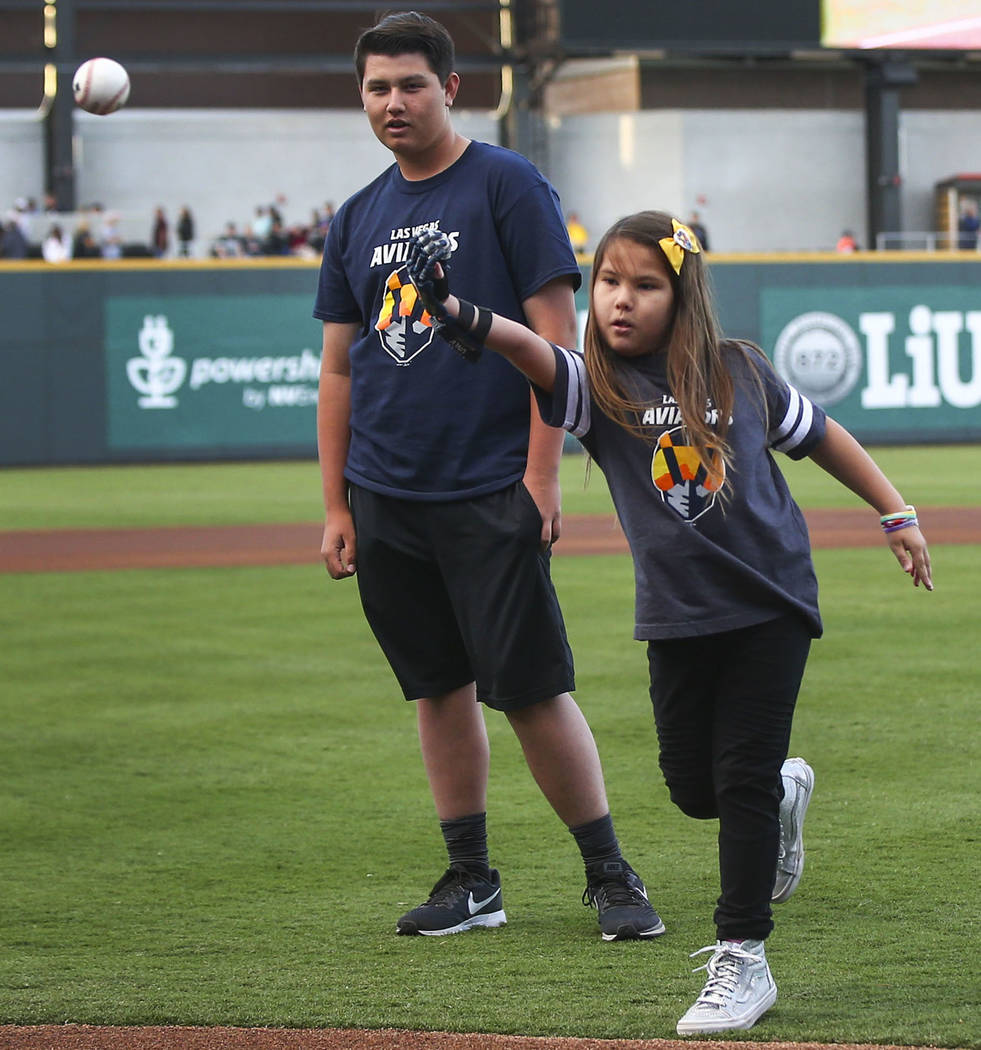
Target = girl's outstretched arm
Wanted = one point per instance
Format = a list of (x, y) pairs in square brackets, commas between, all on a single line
[(467, 327), (528, 352), (846, 461)]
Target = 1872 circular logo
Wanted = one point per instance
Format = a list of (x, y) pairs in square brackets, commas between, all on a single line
[(820, 355)]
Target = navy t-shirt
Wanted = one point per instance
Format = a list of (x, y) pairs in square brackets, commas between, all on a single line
[(703, 563), (425, 424)]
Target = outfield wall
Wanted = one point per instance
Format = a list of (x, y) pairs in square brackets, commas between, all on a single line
[(139, 361)]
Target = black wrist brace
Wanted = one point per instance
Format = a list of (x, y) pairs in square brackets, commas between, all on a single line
[(468, 312)]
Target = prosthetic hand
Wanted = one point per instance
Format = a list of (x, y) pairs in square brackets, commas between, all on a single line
[(429, 253)]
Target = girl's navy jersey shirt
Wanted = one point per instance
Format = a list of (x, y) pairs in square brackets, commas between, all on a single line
[(703, 563), (425, 424)]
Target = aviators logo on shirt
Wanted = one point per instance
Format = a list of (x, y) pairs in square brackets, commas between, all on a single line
[(403, 326), (681, 478)]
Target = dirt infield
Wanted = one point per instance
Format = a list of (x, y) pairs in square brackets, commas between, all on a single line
[(85, 1037), (110, 549), (69, 550)]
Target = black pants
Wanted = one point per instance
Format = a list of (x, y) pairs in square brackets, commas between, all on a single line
[(723, 706)]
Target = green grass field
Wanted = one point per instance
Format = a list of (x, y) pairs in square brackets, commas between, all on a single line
[(243, 493), (214, 808)]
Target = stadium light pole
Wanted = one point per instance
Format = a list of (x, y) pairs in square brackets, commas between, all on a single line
[(59, 18), (534, 43), (883, 81)]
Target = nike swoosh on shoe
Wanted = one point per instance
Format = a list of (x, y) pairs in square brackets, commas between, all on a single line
[(475, 906)]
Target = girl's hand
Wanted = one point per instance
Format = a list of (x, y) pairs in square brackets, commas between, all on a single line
[(427, 250), (426, 265), (911, 552)]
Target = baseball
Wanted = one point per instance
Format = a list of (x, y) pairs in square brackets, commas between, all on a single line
[(101, 86)]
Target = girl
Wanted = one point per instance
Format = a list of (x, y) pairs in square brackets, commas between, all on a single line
[(682, 421)]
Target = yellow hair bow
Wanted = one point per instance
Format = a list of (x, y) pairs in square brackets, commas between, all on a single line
[(675, 247)]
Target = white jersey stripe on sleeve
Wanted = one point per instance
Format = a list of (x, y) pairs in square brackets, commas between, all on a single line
[(790, 417), (796, 423)]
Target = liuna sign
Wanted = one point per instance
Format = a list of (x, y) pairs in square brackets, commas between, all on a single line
[(890, 362)]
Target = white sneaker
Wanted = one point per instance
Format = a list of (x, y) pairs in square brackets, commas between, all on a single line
[(798, 783), (739, 989)]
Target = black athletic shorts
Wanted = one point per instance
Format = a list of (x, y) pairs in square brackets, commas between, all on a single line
[(460, 592)]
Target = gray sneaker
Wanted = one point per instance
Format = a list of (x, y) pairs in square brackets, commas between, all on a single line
[(798, 783), (739, 989), (620, 899)]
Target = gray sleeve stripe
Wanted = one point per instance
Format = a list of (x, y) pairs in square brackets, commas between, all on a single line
[(796, 423), (577, 394)]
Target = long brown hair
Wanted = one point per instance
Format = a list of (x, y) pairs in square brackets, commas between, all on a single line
[(696, 366)]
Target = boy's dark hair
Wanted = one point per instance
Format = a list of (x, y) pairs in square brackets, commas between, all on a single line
[(407, 33)]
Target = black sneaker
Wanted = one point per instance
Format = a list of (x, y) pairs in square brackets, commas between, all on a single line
[(620, 898), (459, 901)]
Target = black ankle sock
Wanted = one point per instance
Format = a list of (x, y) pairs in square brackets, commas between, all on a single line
[(466, 843), (597, 842)]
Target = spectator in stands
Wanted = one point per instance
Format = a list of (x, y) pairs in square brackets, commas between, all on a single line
[(316, 234), (277, 241), (185, 232), (56, 247), (13, 243), (846, 243), (697, 227), (160, 235), (112, 241), (229, 245), (325, 218), (577, 232), (297, 237), (23, 217), (251, 245), (83, 243), (262, 223), (969, 224)]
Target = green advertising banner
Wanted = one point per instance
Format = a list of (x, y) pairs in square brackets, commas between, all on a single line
[(903, 360), (210, 371), (142, 361)]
